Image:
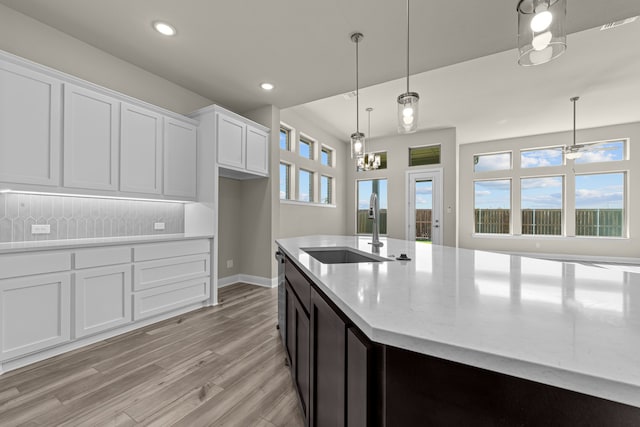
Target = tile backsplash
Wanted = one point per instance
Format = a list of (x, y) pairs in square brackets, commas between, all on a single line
[(83, 217)]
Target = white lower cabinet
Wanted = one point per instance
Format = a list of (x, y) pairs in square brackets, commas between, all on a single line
[(35, 313), (169, 297), (102, 299)]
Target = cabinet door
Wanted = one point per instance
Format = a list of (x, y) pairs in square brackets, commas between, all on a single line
[(180, 159), (297, 346), (35, 313), (102, 299), (91, 124), (328, 356), (30, 122), (230, 138), (140, 150), (359, 383), (257, 151)]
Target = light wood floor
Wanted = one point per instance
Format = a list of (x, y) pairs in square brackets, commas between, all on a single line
[(217, 366)]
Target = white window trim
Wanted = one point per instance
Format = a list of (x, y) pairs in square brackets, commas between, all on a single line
[(314, 145), (292, 134), (332, 163)]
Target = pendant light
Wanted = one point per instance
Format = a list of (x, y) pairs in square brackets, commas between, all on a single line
[(541, 30), (408, 101), (573, 152), (357, 138), (368, 161)]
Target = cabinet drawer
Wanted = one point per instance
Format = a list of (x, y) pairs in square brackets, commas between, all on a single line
[(37, 263), (34, 313), (170, 297), (298, 283), (151, 274), (88, 258), (169, 250)]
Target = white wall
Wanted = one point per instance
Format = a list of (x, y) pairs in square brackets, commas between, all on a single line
[(31, 39), (601, 247), (306, 219), (397, 148)]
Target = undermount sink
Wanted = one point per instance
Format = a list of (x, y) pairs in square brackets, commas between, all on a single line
[(341, 255)]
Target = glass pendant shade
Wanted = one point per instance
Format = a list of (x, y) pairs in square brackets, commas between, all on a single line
[(357, 145), (542, 34), (408, 109)]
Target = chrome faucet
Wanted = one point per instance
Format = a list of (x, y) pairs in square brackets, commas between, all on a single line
[(374, 214)]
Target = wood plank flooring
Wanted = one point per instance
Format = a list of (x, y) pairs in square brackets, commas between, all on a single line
[(217, 366)]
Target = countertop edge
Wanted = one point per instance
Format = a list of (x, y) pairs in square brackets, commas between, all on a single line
[(46, 245)]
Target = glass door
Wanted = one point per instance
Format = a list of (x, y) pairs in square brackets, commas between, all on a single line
[(425, 207)]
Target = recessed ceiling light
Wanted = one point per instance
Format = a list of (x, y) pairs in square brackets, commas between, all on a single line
[(164, 28), (267, 86)]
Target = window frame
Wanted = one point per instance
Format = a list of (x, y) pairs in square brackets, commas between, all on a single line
[(325, 148), (625, 202), (511, 162), (289, 132), (303, 138), (424, 164), (563, 207), (357, 193), (511, 209), (330, 190), (312, 178)]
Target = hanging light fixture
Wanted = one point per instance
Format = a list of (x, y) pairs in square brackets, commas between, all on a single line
[(541, 30), (357, 138), (573, 152), (368, 161), (408, 101)]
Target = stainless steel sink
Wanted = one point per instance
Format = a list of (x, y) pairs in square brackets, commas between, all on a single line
[(341, 255)]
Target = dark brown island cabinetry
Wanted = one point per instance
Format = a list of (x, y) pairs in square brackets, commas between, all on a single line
[(344, 379)]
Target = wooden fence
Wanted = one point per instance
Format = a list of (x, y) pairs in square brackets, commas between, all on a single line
[(589, 222), (365, 225)]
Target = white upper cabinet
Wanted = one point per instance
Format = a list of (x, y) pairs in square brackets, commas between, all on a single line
[(29, 126), (243, 146), (231, 139), (257, 151), (91, 125), (180, 159), (140, 150)]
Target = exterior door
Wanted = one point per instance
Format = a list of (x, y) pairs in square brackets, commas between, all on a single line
[(424, 211)]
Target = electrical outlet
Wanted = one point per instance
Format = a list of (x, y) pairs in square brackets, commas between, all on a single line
[(41, 229), (158, 225), (230, 263)]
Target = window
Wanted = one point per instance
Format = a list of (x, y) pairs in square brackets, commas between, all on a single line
[(306, 148), (602, 152), (420, 156), (326, 192), (492, 202), (492, 162), (541, 205), (365, 188), (600, 204), (285, 180), (285, 139), (305, 186), (541, 158), (326, 156)]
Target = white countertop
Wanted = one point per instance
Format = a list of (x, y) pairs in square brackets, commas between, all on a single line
[(42, 245), (563, 324)]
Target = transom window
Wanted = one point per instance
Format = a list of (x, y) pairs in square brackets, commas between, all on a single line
[(420, 156), (285, 139), (491, 162), (326, 156), (541, 158), (598, 152), (306, 148)]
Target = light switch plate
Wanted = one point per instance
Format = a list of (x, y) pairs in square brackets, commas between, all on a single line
[(230, 263), (158, 225), (41, 229)]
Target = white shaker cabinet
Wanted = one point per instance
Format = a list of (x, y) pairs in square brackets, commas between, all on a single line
[(231, 140), (29, 126), (140, 150), (180, 159), (102, 299), (257, 151), (35, 313), (91, 135), (243, 146)]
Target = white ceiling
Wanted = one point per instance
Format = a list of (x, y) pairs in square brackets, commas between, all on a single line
[(493, 98), (225, 48)]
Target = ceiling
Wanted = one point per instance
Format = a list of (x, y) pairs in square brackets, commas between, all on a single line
[(493, 98), (225, 48)]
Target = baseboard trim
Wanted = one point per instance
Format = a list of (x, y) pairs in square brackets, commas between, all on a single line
[(246, 278)]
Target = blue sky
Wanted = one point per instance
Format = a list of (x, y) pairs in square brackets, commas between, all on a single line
[(424, 195), (364, 194), (541, 193)]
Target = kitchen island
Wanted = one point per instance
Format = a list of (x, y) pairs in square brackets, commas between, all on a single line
[(499, 337)]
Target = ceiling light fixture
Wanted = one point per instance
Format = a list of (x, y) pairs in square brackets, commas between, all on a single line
[(357, 138), (541, 30), (408, 101), (164, 28), (368, 161), (267, 86)]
